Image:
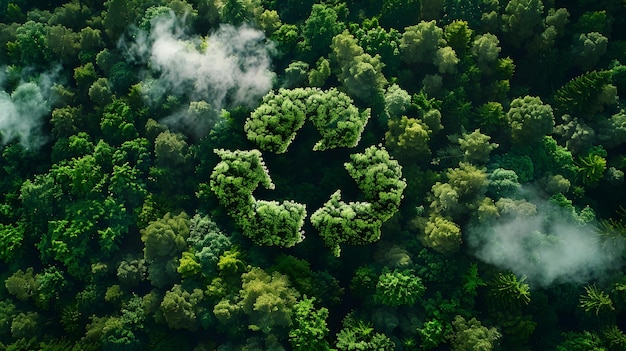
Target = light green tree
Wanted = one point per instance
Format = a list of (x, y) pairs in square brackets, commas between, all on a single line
[(485, 50), (276, 224), (476, 146), (309, 328), (180, 308), (359, 72), (442, 234), (234, 179), (509, 292), (472, 335), (397, 101), (419, 43), (529, 119), (338, 222), (446, 60), (408, 138), (165, 238), (267, 302), (274, 124), (336, 118), (380, 179)]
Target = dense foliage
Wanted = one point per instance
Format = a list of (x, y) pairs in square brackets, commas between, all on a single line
[(312, 175)]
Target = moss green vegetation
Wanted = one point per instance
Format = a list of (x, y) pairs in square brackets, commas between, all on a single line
[(312, 175)]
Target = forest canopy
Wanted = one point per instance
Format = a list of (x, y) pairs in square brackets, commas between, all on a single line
[(314, 175)]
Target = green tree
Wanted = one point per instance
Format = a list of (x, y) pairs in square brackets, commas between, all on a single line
[(446, 60), (419, 43), (408, 138), (318, 75), (117, 123), (180, 308), (583, 340), (274, 124), (268, 302), (11, 238), (131, 272), (529, 119), (309, 329), (208, 242), (472, 335), (357, 335), (339, 222), (117, 17), (26, 325), (90, 43), (235, 177), (165, 238), (275, 224), (63, 43), (476, 146), (397, 101), (591, 168), (22, 284), (30, 46), (588, 48), (521, 19), (509, 292), (320, 27), (380, 179), (442, 235), (397, 288), (503, 183), (336, 118), (581, 95), (595, 300), (485, 50), (359, 72)]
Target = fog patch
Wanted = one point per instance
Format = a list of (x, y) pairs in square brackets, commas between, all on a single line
[(230, 67), (23, 110), (549, 246)]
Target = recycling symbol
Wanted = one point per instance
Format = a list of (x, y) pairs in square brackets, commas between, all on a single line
[(272, 127)]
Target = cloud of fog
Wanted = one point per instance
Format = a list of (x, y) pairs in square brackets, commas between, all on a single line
[(23, 111), (547, 247), (229, 67)]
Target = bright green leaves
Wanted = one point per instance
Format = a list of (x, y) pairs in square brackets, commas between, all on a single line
[(309, 330), (265, 222), (339, 122), (272, 223), (380, 179), (274, 124), (596, 300), (276, 223), (234, 179), (472, 335), (339, 222)]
